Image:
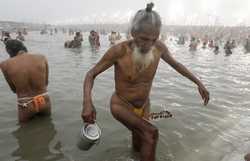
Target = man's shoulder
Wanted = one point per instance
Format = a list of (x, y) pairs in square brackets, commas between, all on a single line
[(118, 50), (121, 47), (160, 45), (125, 43), (1, 65), (4, 63), (36, 55)]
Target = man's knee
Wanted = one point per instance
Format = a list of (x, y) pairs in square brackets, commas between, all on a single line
[(151, 135)]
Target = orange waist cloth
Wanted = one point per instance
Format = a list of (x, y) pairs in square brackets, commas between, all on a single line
[(38, 101)]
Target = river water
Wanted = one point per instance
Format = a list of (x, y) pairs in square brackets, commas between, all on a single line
[(219, 131)]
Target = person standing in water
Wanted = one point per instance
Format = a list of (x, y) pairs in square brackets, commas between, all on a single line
[(135, 63), (193, 44), (247, 44), (228, 48), (27, 76), (20, 36), (5, 37), (113, 38), (94, 39)]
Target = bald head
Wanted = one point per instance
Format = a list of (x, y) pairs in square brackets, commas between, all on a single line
[(146, 20)]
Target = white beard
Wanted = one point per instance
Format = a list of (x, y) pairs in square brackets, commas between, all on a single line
[(142, 61)]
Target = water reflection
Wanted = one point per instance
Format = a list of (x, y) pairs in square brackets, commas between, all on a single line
[(76, 50), (35, 141), (94, 50)]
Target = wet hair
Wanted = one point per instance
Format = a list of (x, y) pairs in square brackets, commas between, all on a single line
[(149, 7), (146, 17), (78, 33), (7, 34), (14, 46)]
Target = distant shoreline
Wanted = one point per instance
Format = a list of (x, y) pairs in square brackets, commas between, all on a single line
[(25, 24), (235, 32)]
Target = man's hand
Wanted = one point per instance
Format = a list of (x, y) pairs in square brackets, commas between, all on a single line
[(89, 113), (204, 94)]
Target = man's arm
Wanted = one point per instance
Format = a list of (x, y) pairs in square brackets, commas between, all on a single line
[(6, 76), (166, 56), (47, 72), (109, 58)]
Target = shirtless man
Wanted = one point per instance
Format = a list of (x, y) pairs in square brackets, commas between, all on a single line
[(78, 37), (94, 39), (27, 76), (247, 44), (135, 63), (112, 38), (5, 37), (20, 36)]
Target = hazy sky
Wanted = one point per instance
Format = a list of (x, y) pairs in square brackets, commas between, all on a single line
[(181, 12)]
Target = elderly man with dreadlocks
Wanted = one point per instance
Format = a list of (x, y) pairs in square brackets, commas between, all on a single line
[(135, 63)]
